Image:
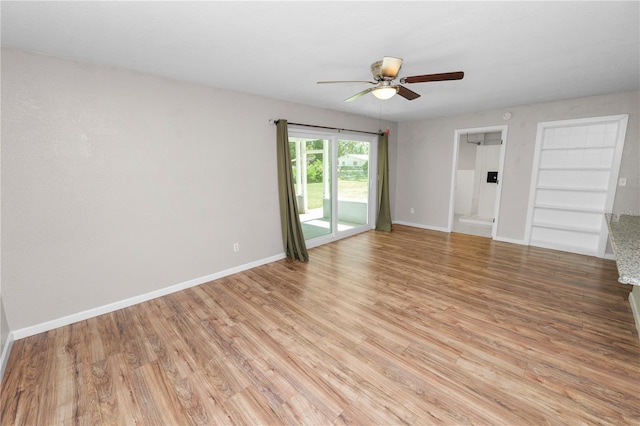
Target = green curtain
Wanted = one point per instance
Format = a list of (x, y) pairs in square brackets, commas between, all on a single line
[(292, 235), (383, 223)]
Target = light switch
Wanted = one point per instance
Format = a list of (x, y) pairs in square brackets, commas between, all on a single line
[(622, 182)]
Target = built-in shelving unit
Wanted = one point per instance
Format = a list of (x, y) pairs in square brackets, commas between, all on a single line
[(573, 182)]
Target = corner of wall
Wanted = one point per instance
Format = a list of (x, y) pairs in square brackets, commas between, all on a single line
[(4, 356), (634, 300), (6, 339)]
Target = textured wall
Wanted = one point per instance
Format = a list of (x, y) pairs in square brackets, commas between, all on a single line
[(116, 184)]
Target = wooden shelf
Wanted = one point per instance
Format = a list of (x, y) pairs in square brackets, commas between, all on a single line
[(564, 247), (582, 229), (574, 169), (569, 208), (571, 188), (572, 148)]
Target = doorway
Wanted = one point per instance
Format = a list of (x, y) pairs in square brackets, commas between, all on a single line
[(333, 181), (476, 180)]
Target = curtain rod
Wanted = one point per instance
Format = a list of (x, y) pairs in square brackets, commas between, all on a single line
[(329, 128)]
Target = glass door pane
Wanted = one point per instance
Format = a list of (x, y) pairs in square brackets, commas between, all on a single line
[(311, 166), (353, 184)]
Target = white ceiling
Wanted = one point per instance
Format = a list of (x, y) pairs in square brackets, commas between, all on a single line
[(512, 53)]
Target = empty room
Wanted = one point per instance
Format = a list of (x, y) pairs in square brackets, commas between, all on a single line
[(299, 212)]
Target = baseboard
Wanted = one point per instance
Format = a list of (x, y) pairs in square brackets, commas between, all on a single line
[(477, 222), (609, 256), (635, 309), (4, 357), (510, 240), (105, 309), (419, 225), (437, 228)]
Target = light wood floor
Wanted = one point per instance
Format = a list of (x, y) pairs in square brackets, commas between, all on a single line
[(416, 327)]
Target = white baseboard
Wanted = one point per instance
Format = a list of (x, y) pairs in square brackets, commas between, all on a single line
[(419, 225), (437, 228), (105, 309), (4, 357), (609, 256), (635, 309), (510, 240)]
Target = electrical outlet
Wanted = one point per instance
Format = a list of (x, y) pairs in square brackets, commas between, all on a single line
[(236, 247), (412, 210), (622, 182)]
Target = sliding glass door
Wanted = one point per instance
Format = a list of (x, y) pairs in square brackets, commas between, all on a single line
[(334, 185), (311, 165), (353, 183)]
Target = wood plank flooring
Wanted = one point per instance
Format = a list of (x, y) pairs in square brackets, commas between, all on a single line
[(409, 327)]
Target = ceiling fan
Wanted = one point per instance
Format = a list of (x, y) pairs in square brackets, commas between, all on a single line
[(385, 71)]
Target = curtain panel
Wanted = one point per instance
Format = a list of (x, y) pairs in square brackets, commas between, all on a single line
[(292, 236), (383, 221)]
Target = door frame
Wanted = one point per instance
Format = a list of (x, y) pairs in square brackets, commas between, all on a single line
[(456, 138), (372, 199), (334, 137)]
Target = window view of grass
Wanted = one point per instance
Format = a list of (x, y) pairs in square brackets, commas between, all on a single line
[(314, 195), (352, 190), (353, 169)]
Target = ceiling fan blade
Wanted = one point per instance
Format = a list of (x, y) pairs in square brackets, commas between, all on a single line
[(458, 75), (357, 95), (346, 81), (390, 67), (407, 94)]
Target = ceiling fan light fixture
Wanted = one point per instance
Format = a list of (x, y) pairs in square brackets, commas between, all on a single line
[(385, 73), (384, 93)]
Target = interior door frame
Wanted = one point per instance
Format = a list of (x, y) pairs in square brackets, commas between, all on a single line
[(503, 129)]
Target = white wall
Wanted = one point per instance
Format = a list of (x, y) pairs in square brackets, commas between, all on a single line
[(489, 161), (116, 184), (425, 159), (466, 173), (465, 183)]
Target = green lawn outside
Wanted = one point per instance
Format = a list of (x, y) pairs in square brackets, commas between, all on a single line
[(353, 190)]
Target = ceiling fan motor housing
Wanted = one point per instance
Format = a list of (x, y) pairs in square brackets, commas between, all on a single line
[(386, 70), (376, 70)]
